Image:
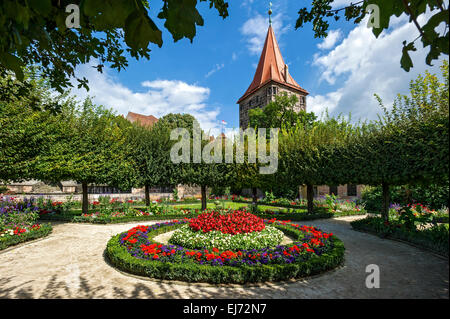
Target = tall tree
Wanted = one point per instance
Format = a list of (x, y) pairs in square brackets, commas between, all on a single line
[(88, 145), (22, 129), (407, 145), (302, 152), (151, 155)]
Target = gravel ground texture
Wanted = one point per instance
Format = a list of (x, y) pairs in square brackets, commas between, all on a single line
[(70, 263)]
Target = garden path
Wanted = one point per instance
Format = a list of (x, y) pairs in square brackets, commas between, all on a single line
[(70, 264)]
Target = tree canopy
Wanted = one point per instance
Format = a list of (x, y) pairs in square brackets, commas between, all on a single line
[(437, 42), (280, 113), (34, 32)]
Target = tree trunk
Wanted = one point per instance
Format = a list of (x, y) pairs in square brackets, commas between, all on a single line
[(147, 195), (386, 201), (255, 195), (85, 201), (310, 198), (203, 187)]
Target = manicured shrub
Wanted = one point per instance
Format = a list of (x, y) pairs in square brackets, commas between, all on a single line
[(433, 196), (435, 238)]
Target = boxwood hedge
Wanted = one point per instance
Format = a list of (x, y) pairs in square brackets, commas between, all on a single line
[(193, 272)]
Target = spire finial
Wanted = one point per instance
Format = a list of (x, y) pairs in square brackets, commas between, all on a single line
[(270, 13)]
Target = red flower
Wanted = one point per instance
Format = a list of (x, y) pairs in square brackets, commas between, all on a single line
[(234, 223)]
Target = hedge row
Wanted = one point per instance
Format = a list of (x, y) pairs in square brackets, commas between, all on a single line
[(6, 242), (435, 238), (109, 220), (305, 216), (271, 204), (192, 272), (281, 216)]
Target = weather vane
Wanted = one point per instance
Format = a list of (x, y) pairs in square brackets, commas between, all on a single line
[(270, 12)]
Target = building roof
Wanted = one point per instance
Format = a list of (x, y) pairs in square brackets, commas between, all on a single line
[(144, 120), (271, 67)]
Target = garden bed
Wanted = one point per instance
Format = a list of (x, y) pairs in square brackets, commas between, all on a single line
[(111, 220), (38, 231), (311, 253), (435, 238)]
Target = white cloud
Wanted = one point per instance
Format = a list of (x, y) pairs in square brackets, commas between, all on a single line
[(158, 98), (255, 31), (362, 65), (216, 68), (333, 37), (337, 4), (234, 56)]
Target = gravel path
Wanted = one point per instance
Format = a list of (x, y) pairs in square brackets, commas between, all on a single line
[(70, 264)]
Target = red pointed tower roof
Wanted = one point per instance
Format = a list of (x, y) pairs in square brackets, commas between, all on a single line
[(271, 67)]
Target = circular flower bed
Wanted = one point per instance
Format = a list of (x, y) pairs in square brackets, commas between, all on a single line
[(312, 252)]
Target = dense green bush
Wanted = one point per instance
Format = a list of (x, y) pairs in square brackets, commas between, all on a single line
[(435, 238), (192, 272), (433, 196)]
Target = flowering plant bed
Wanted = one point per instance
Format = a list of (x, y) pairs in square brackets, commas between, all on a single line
[(234, 223), (18, 222), (188, 238), (434, 238), (20, 234), (311, 252)]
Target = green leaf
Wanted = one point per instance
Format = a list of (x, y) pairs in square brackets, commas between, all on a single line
[(140, 30), (13, 63), (406, 61), (43, 7), (108, 13), (181, 18)]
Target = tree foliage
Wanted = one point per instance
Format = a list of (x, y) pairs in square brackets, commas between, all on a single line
[(86, 143), (416, 10), (34, 32), (280, 113)]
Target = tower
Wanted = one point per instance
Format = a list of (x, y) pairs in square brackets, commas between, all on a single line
[(271, 78)]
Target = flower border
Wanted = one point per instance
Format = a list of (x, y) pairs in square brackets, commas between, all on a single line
[(119, 256), (43, 231)]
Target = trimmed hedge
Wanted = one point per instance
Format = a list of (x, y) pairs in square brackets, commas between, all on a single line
[(115, 220), (281, 216), (305, 216), (261, 203), (44, 231), (192, 272), (435, 239)]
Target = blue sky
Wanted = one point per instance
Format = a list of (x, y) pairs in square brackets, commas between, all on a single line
[(207, 77)]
